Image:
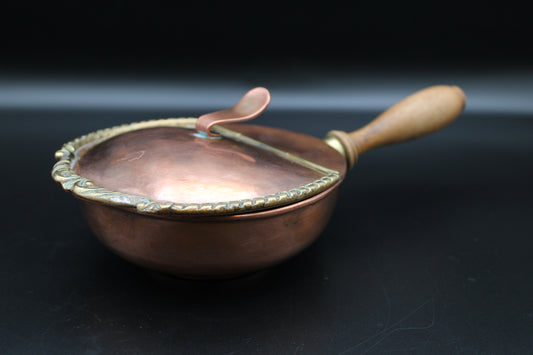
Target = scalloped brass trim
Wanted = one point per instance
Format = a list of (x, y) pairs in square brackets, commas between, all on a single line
[(84, 188)]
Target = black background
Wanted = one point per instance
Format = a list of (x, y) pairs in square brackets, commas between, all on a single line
[(429, 248), (202, 35)]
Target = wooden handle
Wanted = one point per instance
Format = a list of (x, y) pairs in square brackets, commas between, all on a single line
[(422, 113)]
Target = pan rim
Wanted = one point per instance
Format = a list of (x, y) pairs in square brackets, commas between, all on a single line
[(83, 188)]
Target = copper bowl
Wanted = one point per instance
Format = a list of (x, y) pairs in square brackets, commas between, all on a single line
[(147, 189)]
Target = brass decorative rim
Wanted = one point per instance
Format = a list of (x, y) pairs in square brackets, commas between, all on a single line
[(84, 188)]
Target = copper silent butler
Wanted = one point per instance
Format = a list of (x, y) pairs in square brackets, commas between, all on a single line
[(203, 199)]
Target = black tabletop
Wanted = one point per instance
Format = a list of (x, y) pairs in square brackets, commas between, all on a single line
[(428, 251)]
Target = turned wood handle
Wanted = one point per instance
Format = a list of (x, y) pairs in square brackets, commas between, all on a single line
[(422, 113)]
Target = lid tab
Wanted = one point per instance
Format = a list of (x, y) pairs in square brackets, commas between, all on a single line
[(251, 105)]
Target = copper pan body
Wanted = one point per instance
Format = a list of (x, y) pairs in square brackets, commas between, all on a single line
[(211, 247), (214, 246)]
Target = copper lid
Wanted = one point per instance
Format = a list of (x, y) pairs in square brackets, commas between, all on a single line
[(166, 166)]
